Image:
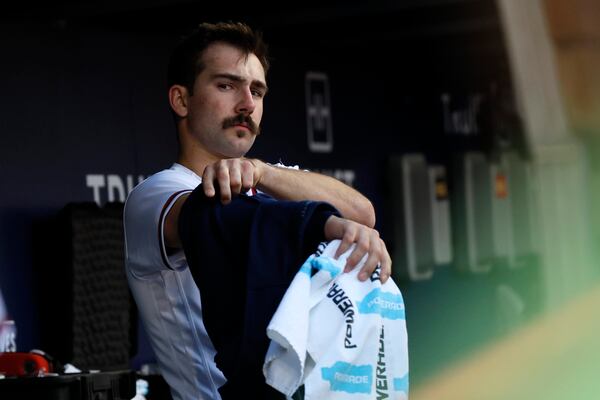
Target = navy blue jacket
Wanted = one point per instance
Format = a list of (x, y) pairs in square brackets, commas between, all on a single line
[(243, 256)]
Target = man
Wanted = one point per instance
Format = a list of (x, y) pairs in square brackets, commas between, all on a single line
[(217, 79)]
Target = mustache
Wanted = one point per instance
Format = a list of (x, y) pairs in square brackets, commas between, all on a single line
[(242, 119)]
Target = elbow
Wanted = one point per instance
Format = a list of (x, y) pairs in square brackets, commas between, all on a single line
[(366, 213)]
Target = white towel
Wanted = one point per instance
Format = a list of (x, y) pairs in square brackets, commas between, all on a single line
[(340, 337)]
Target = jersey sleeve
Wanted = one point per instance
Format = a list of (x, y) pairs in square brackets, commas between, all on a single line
[(144, 217)]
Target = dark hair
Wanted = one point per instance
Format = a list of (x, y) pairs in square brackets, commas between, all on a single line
[(186, 61)]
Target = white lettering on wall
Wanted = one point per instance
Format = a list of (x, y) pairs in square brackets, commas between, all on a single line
[(115, 184), (461, 121), (318, 113), (96, 182), (110, 187)]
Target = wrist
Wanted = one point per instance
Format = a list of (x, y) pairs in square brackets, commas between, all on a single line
[(261, 172), (331, 227), (314, 232), (259, 169)]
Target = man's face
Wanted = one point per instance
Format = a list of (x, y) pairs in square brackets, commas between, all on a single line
[(225, 110)]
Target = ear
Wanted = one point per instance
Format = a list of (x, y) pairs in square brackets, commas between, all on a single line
[(178, 100)]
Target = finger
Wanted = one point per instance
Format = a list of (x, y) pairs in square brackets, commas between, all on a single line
[(247, 174), (224, 184), (235, 177), (348, 237), (372, 257), (386, 264), (362, 247), (370, 265), (208, 177)]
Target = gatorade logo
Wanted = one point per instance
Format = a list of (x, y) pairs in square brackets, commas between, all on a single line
[(388, 305), (345, 377)]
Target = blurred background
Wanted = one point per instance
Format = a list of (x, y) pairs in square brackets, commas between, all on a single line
[(472, 125)]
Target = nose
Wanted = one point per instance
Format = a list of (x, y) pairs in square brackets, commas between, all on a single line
[(246, 103)]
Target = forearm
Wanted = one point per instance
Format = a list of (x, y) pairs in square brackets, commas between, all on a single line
[(291, 184)]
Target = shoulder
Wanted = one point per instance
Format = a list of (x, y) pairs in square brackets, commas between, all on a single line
[(167, 178), (149, 198), (163, 183)]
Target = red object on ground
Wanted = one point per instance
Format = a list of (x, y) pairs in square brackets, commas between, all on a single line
[(23, 364)]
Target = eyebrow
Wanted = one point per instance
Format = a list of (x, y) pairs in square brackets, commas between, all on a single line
[(237, 78)]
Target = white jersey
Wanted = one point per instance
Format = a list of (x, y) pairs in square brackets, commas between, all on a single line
[(167, 298)]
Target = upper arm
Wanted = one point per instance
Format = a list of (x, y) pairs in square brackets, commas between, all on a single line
[(145, 222), (171, 224)]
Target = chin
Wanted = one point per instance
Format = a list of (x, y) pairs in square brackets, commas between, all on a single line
[(240, 147), (236, 154), (236, 151)]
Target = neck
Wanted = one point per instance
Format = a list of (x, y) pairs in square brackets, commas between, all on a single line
[(194, 156), (195, 160)]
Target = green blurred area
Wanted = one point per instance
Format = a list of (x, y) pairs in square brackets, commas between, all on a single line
[(527, 333), (555, 356)]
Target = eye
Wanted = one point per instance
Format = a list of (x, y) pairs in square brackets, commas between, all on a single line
[(257, 93), (225, 86)]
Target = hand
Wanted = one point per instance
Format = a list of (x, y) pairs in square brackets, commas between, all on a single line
[(367, 241), (232, 175)]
